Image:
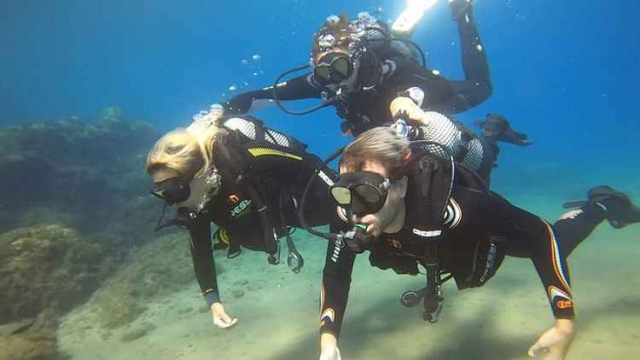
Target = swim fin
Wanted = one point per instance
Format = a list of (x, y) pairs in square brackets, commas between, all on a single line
[(496, 127), (619, 210)]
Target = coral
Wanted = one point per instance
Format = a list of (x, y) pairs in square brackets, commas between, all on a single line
[(156, 269), (48, 267)]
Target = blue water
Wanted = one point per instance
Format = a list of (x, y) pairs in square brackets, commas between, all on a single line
[(566, 72)]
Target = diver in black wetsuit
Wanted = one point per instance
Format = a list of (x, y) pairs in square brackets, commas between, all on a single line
[(246, 179), (360, 67), (410, 208)]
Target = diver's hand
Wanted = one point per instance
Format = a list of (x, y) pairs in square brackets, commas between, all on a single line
[(555, 342), (329, 346), (405, 104), (374, 226), (220, 317)]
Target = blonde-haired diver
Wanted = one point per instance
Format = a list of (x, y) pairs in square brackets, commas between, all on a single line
[(246, 179)]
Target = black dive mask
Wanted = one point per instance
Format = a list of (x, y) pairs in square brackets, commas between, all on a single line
[(171, 191), (361, 192), (333, 68)]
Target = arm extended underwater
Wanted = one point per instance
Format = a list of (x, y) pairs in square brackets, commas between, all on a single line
[(297, 88)]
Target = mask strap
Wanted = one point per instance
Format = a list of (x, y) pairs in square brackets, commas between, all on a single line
[(159, 223)]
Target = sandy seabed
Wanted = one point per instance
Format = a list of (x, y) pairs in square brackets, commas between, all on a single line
[(278, 311)]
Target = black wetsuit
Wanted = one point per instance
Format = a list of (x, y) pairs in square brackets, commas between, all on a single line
[(272, 180), (477, 222), (363, 110)]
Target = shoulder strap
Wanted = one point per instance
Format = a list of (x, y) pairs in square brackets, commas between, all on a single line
[(430, 184), (230, 159)]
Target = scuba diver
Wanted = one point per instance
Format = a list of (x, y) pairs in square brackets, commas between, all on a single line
[(246, 179), (361, 66), (410, 208)]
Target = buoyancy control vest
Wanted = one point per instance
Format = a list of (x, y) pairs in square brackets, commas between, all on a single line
[(431, 181), (237, 155)]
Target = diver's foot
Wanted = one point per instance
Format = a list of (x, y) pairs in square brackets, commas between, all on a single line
[(496, 128), (618, 207), (619, 210), (460, 8)]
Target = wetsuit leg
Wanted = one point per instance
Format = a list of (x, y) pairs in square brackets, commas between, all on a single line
[(576, 225), (526, 235), (476, 88), (490, 151)]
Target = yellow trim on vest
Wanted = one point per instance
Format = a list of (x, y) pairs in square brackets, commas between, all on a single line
[(223, 236), (265, 151)]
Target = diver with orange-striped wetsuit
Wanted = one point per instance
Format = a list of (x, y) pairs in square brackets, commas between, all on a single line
[(410, 208)]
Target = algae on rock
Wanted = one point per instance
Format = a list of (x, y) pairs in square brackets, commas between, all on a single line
[(71, 167), (48, 267), (31, 340)]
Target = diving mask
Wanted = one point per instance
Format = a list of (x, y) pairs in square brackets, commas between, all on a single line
[(362, 192), (194, 194), (333, 68), (171, 190)]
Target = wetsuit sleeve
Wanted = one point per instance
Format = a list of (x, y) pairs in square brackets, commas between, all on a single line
[(336, 282), (439, 94), (301, 87), (203, 263)]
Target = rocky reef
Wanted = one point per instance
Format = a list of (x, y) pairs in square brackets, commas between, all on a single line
[(71, 172), (49, 267), (74, 206), (30, 339)]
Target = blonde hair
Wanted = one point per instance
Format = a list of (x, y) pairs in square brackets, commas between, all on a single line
[(380, 144), (188, 152)]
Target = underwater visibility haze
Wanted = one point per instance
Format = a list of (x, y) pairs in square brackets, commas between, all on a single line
[(88, 87)]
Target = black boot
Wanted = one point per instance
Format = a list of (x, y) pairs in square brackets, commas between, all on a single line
[(460, 8), (496, 128), (619, 210)]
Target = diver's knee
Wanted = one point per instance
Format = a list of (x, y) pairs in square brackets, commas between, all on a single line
[(487, 90), (481, 93)]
